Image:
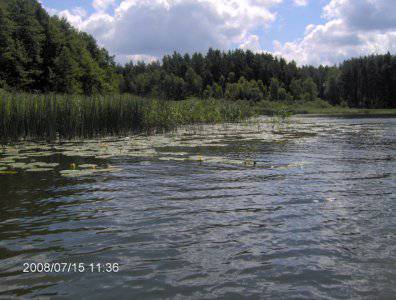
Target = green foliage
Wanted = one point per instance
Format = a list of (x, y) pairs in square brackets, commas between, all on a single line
[(194, 82), (39, 53), (284, 95), (310, 90), (43, 53), (274, 88), (237, 71), (173, 87), (66, 116), (217, 91), (296, 88), (332, 87), (368, 81), (245, 90)]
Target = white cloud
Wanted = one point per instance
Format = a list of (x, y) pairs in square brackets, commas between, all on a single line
[(252, 43), (352, 28), (137, 58), (300, 2), (74, 16), (151, 28), (102, 5)]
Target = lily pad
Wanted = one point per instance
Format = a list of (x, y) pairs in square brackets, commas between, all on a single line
[(19, 165), (76, 173), (88, 166), (7, 161), (8, 172), (44, 165), (39, 154), (87, 172), (172, 158), (16, 157), (39, 170)]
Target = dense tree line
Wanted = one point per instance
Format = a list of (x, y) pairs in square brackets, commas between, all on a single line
[(45, 54), (362, 82)]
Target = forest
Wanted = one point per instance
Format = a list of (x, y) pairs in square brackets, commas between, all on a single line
[(45, 54)]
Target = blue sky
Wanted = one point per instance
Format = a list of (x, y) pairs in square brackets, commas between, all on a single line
[(307, 31)]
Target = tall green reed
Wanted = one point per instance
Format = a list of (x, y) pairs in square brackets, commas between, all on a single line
[(29, 116)]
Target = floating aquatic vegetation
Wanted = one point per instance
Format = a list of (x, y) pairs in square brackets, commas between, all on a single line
[(38, 154), (39, 170), (87, 172), (179, 146), (289, 166), (104, 156), (174, 153), (172, 158), (19, 165), (88, 166), (7, 161), (215, 159), (109, 169), (30, 167), (15, 157), (81, 153), (44, 165), (8, 172), (76, 173)]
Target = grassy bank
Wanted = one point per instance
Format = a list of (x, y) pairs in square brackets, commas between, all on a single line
[(51, 116), (30, 116), (318, 107)]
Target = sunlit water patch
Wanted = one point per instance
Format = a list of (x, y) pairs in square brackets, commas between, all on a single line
[(260, 209)]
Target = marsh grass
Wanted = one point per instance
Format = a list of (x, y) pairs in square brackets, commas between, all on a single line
[(50, 117), (281, 119), (317, 107), (29, 116)]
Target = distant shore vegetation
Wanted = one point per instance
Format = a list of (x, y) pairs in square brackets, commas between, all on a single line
[(56, 81), (45, 54), (51, 116)]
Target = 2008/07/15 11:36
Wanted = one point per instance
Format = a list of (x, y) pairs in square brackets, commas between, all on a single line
[(75, 267)]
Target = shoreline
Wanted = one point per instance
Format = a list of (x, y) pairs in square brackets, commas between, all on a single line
[(54, 117)]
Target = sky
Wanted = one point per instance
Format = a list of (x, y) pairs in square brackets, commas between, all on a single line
[(310, 32)]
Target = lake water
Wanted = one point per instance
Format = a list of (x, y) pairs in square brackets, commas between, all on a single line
[(263, 209)]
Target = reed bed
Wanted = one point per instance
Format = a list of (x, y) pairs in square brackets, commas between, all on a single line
[(30, 116)]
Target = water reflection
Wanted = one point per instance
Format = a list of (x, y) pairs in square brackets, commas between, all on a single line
[(313, 218)]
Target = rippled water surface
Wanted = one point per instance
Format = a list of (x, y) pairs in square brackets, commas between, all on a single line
[(253, 210)]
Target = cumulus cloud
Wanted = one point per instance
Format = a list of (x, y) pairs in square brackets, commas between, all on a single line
[(352, 28), (151, 28), (74, 16), (102, 5), (252, 43), (300, 2)]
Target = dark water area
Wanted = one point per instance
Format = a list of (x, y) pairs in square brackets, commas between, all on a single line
[(301, 212)]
